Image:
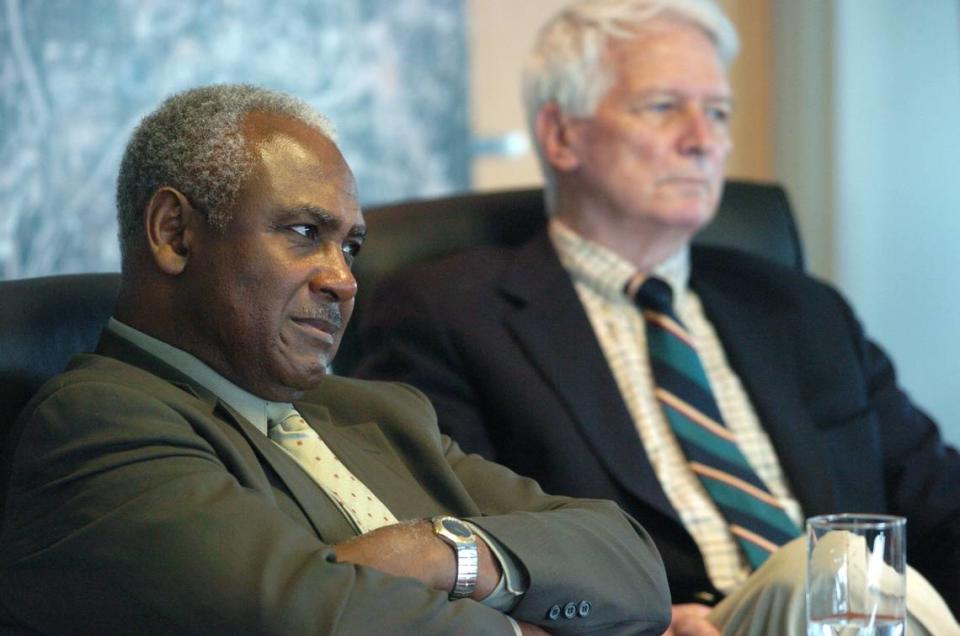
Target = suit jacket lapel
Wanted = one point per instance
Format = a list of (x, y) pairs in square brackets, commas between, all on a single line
[(361, 447), (757, 344), (551, 325), (323, 514)]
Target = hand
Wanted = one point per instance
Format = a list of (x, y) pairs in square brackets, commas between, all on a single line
[(690, 619), (528, 629), (411, 549)]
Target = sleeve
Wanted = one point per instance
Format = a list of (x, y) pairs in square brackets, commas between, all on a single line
[(902, 464), (120, 518), (921, 473), (511, 586), (590, 567)]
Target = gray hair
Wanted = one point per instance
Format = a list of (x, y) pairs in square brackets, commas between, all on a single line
[(566, 65), (194, 143)]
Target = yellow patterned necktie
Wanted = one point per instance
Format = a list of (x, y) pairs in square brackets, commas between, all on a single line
[(291, 432)]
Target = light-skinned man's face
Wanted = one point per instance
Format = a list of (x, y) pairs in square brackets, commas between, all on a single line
[(652, 156), (271, 294)]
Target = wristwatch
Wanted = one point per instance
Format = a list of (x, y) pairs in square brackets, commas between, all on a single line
[(464, 543)]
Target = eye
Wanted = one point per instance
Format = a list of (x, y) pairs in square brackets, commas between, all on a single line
[(719, 114), (653, 106), (351, 249), (306, 230), (660, 106)]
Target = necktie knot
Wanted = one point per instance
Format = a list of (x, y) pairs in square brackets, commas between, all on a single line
[(283, 418), (655, 294)]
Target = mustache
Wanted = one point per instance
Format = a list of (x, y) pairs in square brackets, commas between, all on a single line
[(329, 314)]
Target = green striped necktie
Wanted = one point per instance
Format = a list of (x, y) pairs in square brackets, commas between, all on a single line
[(754, 515)]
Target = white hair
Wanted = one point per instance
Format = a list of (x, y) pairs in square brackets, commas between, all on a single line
[(194, 142), (567, 66)]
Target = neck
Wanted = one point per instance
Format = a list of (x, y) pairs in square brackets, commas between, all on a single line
[(642, 243)]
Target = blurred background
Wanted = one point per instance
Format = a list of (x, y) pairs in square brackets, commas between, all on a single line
[(854, 105)]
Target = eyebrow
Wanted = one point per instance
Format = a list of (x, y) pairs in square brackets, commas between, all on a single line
[(654, 92), (324, 219)]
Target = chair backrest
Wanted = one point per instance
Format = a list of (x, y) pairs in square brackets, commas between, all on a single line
[(754, 217), (45, 321)]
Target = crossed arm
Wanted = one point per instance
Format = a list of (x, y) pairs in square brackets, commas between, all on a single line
[(412, 550)]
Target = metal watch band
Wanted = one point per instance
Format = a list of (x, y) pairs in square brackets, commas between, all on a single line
[(459, 536)]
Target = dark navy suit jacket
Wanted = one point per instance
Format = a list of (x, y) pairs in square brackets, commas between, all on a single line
[(499, 341)]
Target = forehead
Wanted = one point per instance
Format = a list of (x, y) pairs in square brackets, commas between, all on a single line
[(297, 166), (667, 54)]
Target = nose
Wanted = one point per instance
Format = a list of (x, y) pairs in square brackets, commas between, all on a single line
[(333, 278), (702, 136)]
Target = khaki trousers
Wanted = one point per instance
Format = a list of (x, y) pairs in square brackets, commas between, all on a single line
[(772, 601)]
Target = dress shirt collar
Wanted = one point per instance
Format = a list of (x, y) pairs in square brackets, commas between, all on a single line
[(248, 405), (606, 272)]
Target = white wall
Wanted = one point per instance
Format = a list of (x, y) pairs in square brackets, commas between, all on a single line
[(501, 35), (869, 146), (898, 187)]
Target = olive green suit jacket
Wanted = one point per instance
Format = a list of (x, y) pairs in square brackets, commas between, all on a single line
[(137, 502)]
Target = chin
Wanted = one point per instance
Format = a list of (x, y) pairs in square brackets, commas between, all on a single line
[(698, 212), (308, 378), (289, 384), (688, 219)]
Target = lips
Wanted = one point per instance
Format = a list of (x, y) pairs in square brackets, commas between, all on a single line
[(324, 322), (687, 181), (687, 187)]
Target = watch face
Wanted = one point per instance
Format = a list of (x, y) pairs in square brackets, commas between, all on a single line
[(455, 527)]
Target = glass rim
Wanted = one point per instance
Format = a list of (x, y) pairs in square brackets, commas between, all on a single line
[(851, 520)]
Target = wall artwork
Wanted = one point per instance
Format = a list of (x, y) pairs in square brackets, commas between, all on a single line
[(77, 75)]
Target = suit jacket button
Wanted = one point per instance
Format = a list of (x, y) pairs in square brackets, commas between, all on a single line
[(554, 613), (570, 610), (584, 609)]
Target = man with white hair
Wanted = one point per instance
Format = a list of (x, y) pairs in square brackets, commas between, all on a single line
[(717, 397)]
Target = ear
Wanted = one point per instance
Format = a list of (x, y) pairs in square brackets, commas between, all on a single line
[(553, 130), (170, 225)]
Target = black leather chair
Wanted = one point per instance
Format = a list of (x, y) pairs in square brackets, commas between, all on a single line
[(45, 321)]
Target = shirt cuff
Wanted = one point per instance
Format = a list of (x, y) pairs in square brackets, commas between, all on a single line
[(510, 588)]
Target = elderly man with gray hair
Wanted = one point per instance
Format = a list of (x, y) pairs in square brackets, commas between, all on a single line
[(717, 397), (200, 473)]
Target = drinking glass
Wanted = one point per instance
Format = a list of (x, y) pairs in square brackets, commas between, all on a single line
[(856, 575)]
